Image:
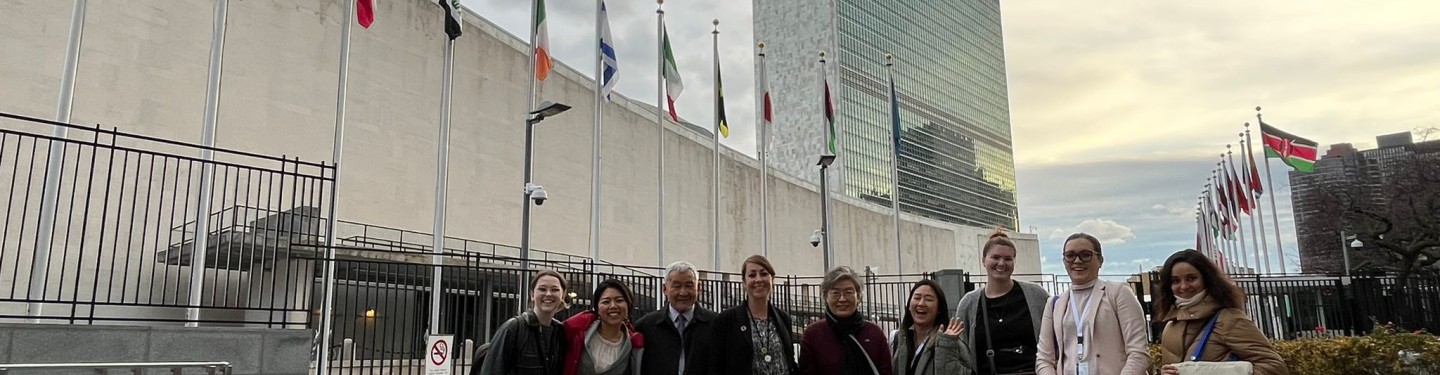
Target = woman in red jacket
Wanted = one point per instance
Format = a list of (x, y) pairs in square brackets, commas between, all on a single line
[(601, 340), (844, 343)]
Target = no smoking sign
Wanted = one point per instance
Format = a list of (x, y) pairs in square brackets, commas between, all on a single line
[(438, 355)]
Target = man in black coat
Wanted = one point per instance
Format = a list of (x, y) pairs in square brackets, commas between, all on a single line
[(667, 350)]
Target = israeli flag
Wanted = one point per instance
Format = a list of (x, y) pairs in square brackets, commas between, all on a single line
[(607, 54)]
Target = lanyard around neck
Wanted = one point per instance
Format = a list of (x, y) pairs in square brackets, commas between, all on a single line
[(1079, 315)]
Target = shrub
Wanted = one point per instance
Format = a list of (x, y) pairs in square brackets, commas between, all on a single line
[(1377, 353)]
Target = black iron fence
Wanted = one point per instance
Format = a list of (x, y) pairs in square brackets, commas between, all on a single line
[(101, 225)]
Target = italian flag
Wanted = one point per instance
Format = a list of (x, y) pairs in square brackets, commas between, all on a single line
[(542, 43), (673, 85), (1299, 153)]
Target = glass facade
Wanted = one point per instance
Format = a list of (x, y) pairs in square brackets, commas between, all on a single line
[(957, 161)]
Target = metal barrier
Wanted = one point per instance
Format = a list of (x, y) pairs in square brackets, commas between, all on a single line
[(138, 368), (101, 225)]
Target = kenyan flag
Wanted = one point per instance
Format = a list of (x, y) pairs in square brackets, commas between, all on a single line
[(1299, 153)]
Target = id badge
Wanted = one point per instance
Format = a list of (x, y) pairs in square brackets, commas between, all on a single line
[(1082, 368)]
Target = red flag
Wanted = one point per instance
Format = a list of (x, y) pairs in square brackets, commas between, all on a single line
[(365, 12), (1255, 176), (1236, 187)]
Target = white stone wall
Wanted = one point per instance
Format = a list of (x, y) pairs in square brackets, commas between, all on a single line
[(143, 67)]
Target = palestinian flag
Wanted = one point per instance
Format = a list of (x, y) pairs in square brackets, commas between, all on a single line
[(671, 73), (452, 17), (829, 119), (1299, 153)]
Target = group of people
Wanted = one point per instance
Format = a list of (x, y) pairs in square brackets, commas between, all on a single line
[(1007, 327)]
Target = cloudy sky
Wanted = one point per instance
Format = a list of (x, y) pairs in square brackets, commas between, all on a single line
[(1120, 108)]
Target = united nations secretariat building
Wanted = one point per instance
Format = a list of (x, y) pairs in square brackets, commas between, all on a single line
[(126, 238)]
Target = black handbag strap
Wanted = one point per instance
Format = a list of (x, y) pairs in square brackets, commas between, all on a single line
[(989, 343)]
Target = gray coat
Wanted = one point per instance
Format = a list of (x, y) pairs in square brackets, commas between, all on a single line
[(969, 312), (942, 355)]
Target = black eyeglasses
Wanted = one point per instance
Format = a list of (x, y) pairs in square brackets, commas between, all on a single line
[(1084, 256)]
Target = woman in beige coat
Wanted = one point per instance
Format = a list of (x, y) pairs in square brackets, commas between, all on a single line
[(1096, 328), (1193, 293)]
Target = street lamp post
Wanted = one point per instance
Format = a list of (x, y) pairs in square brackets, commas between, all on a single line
[(532, 192), (828, 252), (1354, 241)]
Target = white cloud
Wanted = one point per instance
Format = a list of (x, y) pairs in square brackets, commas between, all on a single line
[(1107, 231), (1158, 207), (1058, 234)]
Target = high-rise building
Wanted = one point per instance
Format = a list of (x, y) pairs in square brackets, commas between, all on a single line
[(1362, 176), (957, 159)]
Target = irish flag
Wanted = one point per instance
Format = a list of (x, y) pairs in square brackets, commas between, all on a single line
[(673, 85), (1299, 153), (542, 43)]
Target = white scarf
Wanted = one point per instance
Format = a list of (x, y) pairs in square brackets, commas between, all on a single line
[(1182, 302)]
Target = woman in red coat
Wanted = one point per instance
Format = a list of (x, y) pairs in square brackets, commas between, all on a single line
[(844, 343), (601, 340)]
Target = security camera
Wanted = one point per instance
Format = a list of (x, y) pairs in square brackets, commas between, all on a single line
[(815, 238), (536, 193)]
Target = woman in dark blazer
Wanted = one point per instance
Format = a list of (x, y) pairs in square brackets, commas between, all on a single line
[(754, 337)]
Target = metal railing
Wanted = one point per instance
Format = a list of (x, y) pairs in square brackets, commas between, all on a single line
[(100, 225), (137, 368)]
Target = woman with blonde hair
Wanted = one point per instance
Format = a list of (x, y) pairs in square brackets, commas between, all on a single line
[(1002, 320), (1205, 318)]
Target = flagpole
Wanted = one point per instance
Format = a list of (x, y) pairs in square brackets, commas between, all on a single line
[(895, 165), (1204, 220), (1259, 215), (595, 137), (1249, 195), (525, 205), (337, 146), (825, 159), (207, 170), (1235, 198), (715, 157), (1210, 215), (1227, 239), (40, 261), (441, 182), (1274, 214), (660, 133), (764, 164)]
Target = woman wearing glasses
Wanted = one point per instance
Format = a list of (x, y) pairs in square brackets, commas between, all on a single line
[(754, 337), (844, 343), (1095, 328), (1004, 317)]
